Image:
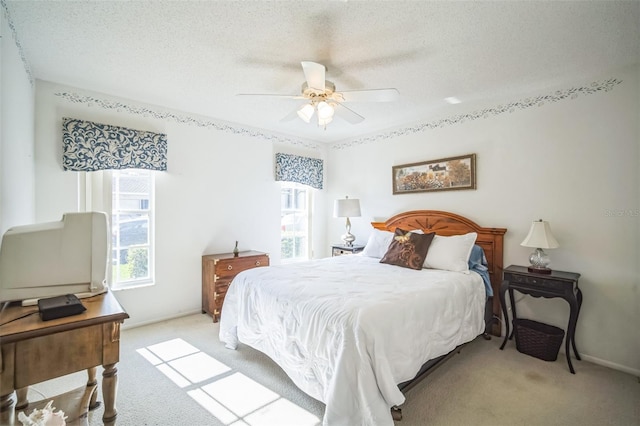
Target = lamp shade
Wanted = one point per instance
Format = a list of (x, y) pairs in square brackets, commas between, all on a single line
[(325, 110), (306, 112), (347, 207), (540, 236)]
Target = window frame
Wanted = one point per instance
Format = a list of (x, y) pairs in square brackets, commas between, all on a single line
[(95, 193), (308, 217)]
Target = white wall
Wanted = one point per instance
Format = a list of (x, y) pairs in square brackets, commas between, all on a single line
[(17, 203), (219, 188), (572, 163)]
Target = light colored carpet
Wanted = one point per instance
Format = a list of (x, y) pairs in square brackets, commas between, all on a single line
[(480, 386)]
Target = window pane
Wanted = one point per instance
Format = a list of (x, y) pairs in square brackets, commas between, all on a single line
[(134, 231), (133, 191), (294, 222), (131, 226)]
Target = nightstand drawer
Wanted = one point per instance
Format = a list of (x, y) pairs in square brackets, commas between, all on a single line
[(339, 252), (342, 250), (537, 281)]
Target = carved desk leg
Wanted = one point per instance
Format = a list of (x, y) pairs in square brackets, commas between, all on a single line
[(23, 402), (7, 411), (92, 381), (109, 386), (7, 383)]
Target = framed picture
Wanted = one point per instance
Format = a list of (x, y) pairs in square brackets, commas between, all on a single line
[(435, 175)]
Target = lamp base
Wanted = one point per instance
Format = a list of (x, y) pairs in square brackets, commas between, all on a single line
[(348, 239), (534, 270)]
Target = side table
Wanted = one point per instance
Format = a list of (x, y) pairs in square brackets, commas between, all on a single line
[(556, 284)]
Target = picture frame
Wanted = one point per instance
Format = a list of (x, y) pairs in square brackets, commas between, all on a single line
[(444, 174)]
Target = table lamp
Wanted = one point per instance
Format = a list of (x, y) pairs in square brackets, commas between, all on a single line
[(540, 237), (347, 207)]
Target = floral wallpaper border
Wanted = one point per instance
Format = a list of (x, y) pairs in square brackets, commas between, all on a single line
[(91, 101), (536, 101), (559, 95), (14, 33)]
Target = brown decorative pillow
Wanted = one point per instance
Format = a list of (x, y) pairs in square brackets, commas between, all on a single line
[(408, 249)]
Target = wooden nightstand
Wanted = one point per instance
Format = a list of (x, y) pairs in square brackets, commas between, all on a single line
[(556, 284), (218, 270), (340, 250)]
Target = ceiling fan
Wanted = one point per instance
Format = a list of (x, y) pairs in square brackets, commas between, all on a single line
[(324, 101)]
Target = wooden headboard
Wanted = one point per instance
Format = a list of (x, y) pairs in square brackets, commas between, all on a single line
[(446, 224)]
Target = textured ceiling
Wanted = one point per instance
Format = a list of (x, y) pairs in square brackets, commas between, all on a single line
[(195, 56)]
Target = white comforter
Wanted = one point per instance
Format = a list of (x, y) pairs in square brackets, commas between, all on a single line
[(348, 329)]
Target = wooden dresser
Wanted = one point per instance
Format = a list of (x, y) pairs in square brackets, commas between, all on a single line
[(218, 270)]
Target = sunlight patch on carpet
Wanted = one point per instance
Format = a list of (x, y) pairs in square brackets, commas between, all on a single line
[(199, 367), (231, 397), (240, 394), (172, 349), (213, 406), (154, 360), (173, 375)]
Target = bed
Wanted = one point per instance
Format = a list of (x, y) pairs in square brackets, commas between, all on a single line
[(355, 332)]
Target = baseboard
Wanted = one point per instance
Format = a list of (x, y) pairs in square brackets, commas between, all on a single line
[(125, 326), (609, 364), (602, 362)]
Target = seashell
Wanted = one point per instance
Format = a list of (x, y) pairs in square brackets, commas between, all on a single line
[(43, 417)]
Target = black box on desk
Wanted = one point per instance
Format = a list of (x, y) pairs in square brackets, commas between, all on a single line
[(60, 306), (538, 340)]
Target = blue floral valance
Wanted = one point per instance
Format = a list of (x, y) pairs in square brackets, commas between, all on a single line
[(294, 168), (89, 146)]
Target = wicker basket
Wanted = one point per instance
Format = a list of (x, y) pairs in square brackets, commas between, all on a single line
[(539, 340)]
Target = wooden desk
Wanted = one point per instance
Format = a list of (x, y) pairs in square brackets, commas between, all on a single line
[(33, 351)]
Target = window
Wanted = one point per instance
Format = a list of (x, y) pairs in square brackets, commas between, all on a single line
[(295, 208), (131, 227)]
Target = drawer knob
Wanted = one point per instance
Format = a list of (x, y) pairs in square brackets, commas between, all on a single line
[(257, 263), (229, 267)]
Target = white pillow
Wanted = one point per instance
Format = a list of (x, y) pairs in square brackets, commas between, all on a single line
[(378, 243), (450, 253)]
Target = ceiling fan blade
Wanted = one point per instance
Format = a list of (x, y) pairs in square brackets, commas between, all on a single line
[(314, 73), (348, 114), (372, 95), (291, 116), (268, 95)]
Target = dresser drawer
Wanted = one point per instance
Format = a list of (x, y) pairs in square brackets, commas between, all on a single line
[(229, 268), (222, 285)]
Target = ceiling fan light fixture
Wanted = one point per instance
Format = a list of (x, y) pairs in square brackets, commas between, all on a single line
[(324, 121), (306, 113), (325, 111)]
